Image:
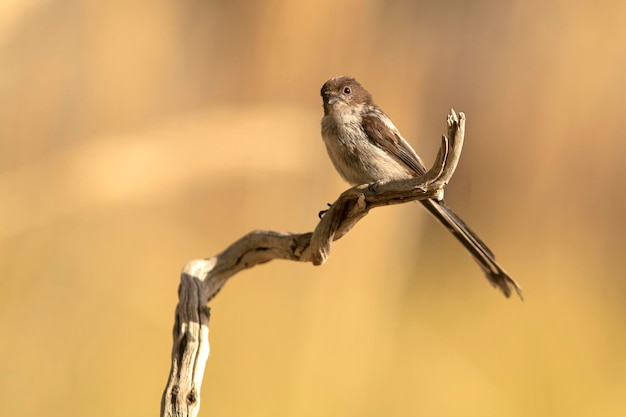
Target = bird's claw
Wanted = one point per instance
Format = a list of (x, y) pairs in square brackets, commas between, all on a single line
[(373, 187), (322, 212)]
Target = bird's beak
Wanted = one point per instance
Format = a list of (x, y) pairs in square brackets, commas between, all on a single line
[(332, 99)]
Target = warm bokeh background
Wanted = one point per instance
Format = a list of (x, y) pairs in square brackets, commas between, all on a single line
[(136, 135)]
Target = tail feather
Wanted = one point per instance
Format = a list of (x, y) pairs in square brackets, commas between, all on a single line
[(476, 247)]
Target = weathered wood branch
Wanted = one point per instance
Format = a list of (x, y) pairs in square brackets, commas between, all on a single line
[(202, 279)]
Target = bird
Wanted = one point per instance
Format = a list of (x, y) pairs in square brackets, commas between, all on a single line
[(366, 147)]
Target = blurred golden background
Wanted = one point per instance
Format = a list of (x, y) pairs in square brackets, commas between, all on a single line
[(137, 135)]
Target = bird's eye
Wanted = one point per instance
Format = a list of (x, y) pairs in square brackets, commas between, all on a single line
[(347, 90)]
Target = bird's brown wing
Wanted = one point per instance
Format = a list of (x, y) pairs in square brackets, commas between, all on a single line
[(382, 132)]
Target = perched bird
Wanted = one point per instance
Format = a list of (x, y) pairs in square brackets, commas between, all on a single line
[(365, 147)]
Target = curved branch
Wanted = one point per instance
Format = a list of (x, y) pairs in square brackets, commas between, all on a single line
[(202, 279)]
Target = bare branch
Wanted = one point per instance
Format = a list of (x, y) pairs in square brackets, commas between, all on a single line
[(202, 279)]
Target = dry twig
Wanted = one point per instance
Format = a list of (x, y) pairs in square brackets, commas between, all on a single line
[(202, 279)]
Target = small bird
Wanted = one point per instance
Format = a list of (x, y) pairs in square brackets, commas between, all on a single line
[(366, 147)]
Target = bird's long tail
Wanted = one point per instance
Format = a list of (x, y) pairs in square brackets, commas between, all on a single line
[(479, 251)]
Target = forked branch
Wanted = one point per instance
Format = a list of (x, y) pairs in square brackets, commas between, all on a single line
[(202, 279)]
